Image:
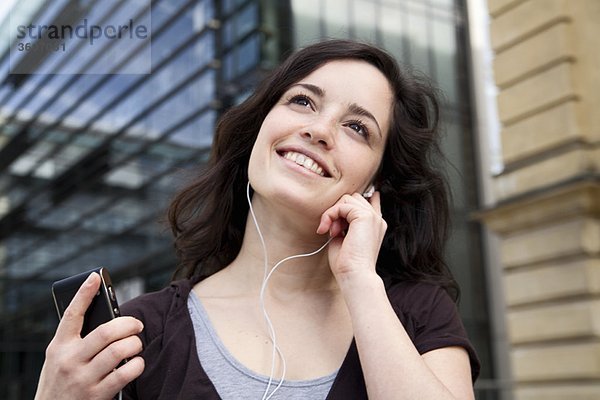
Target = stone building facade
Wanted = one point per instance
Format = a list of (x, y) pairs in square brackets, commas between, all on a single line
[(546, 212)]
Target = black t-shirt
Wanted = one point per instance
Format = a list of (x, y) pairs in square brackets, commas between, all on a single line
[(173, 370)]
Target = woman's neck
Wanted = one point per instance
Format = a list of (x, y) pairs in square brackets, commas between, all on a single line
[(284, 235)]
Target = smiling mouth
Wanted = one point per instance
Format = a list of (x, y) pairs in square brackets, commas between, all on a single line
[(304, 161)]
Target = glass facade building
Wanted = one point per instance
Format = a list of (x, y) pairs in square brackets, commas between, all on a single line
[(89, 158)]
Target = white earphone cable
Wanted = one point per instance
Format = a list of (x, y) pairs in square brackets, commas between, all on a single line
[(271, 330)]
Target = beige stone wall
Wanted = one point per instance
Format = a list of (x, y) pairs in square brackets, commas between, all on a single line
[(547, 214)]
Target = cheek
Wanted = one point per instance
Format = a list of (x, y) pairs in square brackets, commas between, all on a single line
[(360, 174), (257, 159), (261, 151), (269, 132)]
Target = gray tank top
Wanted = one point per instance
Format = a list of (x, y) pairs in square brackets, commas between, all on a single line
[(234, 381)]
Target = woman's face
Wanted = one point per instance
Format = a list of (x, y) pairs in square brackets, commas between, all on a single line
[(324, 138)]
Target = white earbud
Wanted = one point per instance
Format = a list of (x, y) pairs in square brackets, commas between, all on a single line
[(369, 193)]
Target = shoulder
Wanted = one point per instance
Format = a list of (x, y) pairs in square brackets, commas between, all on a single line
[(431, 318), (425, 309), (419, 298), (156, 308), (172, 369)]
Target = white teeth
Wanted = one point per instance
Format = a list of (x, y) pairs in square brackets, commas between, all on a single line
[(304, 161)]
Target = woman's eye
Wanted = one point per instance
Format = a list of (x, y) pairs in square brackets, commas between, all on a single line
[(359, 128), (301, 100)]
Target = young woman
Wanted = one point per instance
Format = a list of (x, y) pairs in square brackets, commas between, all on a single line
[(290, 268)]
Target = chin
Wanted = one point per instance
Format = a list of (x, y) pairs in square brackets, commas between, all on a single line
[(301, 201)]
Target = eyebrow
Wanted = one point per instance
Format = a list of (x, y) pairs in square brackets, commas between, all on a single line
[(354, 108)]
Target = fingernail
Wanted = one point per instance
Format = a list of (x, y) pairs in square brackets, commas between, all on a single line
[(88, 281)]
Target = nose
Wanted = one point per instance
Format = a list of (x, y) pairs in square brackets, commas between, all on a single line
[(320, 132)]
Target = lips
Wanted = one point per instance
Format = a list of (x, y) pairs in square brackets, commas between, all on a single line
[(304, 160)]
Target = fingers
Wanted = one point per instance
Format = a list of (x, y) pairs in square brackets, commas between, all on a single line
[(338, 227), (120, 377), (337, 218), (71, 323), (78, 367), (72, 320), (110, 357), (109, 332), (70, 372)]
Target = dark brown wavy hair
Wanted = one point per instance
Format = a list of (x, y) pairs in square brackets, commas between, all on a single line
[(208, 217)]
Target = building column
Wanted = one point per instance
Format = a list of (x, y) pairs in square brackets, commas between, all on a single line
[(547, 209)]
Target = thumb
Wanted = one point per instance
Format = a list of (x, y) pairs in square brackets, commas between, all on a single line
[(71, 322)]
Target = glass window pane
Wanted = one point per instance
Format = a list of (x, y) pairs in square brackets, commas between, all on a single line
[(247, 20), (365, 20), (444, 40), (337, 18), (393, 31), (418, 34), (249, 53), (306, 21)]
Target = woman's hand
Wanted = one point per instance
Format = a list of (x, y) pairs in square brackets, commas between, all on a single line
[(77, 368), (358, 229)]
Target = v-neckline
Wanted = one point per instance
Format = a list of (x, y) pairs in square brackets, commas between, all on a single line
[(345, 367)]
